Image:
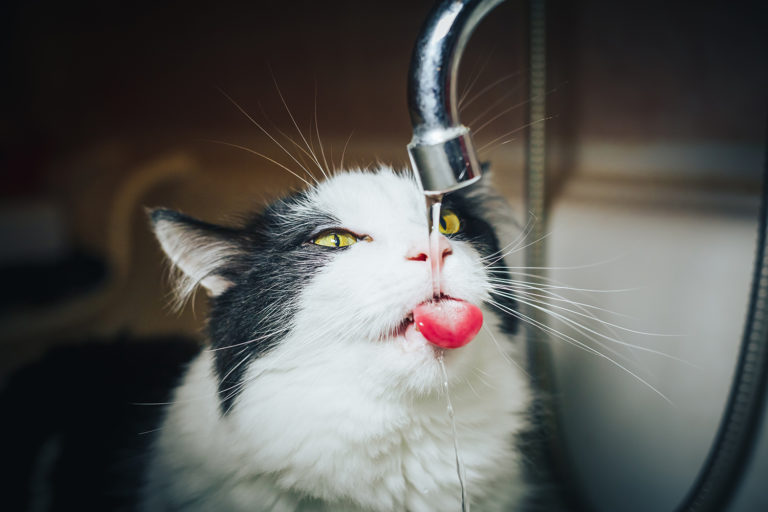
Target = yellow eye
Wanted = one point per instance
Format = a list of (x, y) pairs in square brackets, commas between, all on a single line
[(335, 239), (449, 222)]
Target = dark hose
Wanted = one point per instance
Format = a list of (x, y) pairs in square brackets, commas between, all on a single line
[(735, 441)]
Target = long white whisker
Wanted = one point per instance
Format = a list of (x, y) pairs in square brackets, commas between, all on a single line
[(505, 111), (317, 131), (569, 267), (511, 132), (504, 354), (265, 132), (295, 144), (475, 77), (584, 308), (344, 151), (486, 147), (603, 345), (527, 229), (579, 344), (579, 326), (236, 366), (463, 105), (546, 286), (500, 100), (516, 249), (252, 340), (249, 150), (551, 296), (295, 124)]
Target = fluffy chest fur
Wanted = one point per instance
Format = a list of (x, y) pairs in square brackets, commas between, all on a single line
[(310, 397)]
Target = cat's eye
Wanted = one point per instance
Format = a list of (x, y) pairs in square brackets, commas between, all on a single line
[(335, 239), (449, 222)]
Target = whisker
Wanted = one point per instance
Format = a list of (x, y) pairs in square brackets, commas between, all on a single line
[(344, 150), (293, 142), (485, 146), (265, 132), (293, 120), (252, 340), (516, 249), (487, 88), (479, 374), (511, 132), (236, 366), (475, 77), (506, 111), (490, 108), (525, 288), (558, 287), (591, 338), (579, 344), (504, 354), (581, 327), (527, 229), (254, 152), (551, 296), (317, 131), (570, 267)]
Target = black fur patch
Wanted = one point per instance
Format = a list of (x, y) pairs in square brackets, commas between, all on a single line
[(254, 315)]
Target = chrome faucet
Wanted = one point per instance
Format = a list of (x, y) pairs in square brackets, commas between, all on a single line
[(441, 151)]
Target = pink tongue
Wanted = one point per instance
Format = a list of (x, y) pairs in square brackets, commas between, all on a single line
[(448, 323)]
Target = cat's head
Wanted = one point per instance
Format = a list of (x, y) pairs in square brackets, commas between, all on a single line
[(326, 280)]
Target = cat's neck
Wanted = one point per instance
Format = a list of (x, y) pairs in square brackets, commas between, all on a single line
[(336, 436)]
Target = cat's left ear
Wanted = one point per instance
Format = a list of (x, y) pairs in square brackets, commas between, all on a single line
[(202, 252)]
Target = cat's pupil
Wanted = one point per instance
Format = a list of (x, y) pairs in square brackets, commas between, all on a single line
[(443, 224), (336, 240)]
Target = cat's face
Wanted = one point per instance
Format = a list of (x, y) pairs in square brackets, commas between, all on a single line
[(286, 297)]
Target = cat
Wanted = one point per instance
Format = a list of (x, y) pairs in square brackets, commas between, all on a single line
[(314, 392)]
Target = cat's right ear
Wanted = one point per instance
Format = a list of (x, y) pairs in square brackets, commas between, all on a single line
[(202, 252)]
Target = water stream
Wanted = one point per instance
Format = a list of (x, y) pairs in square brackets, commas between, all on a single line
[(435, 260), (459, 462), (433, 205)]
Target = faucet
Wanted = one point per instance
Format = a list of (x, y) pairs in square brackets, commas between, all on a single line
[(442, 154)]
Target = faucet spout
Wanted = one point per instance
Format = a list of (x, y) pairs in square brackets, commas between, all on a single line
[(441, 151)]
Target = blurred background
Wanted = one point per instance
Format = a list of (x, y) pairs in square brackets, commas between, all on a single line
[(656, 130)]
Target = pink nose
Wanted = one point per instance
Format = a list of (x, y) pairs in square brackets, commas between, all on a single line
[(420, 251)]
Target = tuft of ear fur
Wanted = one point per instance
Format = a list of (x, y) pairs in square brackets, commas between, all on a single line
[(199, 251)]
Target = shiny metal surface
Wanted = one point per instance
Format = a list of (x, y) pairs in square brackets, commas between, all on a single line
[(441, 150), (445, 166)]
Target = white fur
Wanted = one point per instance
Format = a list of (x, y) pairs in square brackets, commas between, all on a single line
[(337, 418)]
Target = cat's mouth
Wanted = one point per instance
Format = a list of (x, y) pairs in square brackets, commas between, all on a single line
[(445, 322), (402, 327), (408, 336)]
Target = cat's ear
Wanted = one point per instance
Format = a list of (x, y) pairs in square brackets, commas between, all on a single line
[(202, 252)]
